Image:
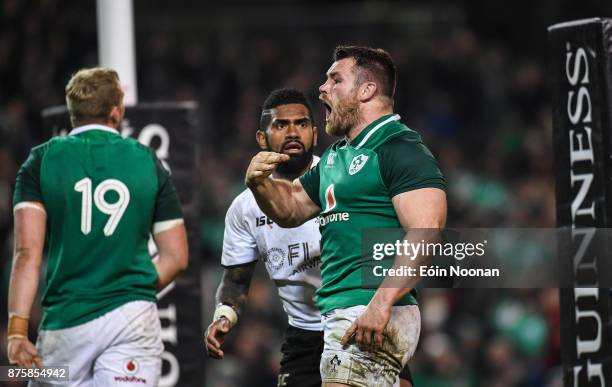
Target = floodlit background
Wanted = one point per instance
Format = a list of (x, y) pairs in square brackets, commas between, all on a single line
[(472, 79)]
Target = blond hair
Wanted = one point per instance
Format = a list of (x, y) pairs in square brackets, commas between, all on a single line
[(91, 94)]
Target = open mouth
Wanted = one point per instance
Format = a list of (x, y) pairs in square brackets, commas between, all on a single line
[(293, 147), (328, 109)]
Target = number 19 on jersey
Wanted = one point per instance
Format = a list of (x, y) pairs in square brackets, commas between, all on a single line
[(114, 210)]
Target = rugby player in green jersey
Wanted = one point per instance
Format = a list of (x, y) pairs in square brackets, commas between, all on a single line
[(96, 197), (286, 126), (378, 175)]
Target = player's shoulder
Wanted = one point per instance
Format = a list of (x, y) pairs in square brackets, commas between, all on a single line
[(41, 148), (132, 149), (405, 151), (130, 141), (398, 133), (39, 151), (136, 145), (404, 138), (401, 139)]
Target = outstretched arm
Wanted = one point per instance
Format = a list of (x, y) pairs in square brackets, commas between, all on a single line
[(284, 202)]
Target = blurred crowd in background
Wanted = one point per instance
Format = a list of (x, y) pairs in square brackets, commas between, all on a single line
[(476, 91)]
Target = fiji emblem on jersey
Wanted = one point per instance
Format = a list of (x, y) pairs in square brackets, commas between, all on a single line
[(274, 258), (357, 163)]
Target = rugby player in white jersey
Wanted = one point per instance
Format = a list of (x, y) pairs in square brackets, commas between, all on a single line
[(291, 256)]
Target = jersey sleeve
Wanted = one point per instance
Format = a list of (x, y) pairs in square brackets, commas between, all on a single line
[(239, 244), (27, 184), (311, 181), (167, 205), (406, 164)]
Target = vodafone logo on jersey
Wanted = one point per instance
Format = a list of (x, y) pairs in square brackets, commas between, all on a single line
[(330, 199), (330, 204), (131, 366)]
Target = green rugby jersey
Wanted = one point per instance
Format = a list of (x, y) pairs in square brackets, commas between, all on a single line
[(353, 184), (102, 194)]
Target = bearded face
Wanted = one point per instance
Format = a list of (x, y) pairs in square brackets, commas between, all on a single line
[(289, 130), (339, 97), (342, 114)]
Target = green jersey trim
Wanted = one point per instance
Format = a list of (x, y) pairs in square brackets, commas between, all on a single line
[(369, 130)]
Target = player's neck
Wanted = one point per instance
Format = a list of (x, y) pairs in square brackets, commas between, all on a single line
[(366, 118)]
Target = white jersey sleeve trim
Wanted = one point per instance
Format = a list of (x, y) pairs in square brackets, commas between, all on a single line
[(166, 225), (35, 205), (239, 244)]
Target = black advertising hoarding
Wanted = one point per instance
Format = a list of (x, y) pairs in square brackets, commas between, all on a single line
[(169, 128), (580, 54)]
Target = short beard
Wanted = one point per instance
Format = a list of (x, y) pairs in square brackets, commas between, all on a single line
[(345, 117), (296, 164)]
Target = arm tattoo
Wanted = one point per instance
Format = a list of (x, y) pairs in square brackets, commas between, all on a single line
[(234, 286)]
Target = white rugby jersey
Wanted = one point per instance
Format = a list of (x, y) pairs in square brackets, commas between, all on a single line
[(292, 256)]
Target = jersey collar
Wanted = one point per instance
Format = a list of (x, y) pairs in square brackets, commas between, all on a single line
[(315, 161), (369, 130), (87, 128)]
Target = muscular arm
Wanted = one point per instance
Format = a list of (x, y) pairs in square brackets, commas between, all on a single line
[(424, 211), (234, 287), (284, 202)]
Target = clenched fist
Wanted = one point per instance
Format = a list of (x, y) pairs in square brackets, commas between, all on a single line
[(262, 166)]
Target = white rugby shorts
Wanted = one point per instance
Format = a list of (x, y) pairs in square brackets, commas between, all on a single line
[(120, 348), (355, 367)]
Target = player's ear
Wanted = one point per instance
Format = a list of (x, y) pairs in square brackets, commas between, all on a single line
[(115, 116), (314, 135), (367, 91), (261, 140)]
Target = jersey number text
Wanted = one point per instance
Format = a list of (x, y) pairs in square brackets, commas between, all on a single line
[(115, 210)]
